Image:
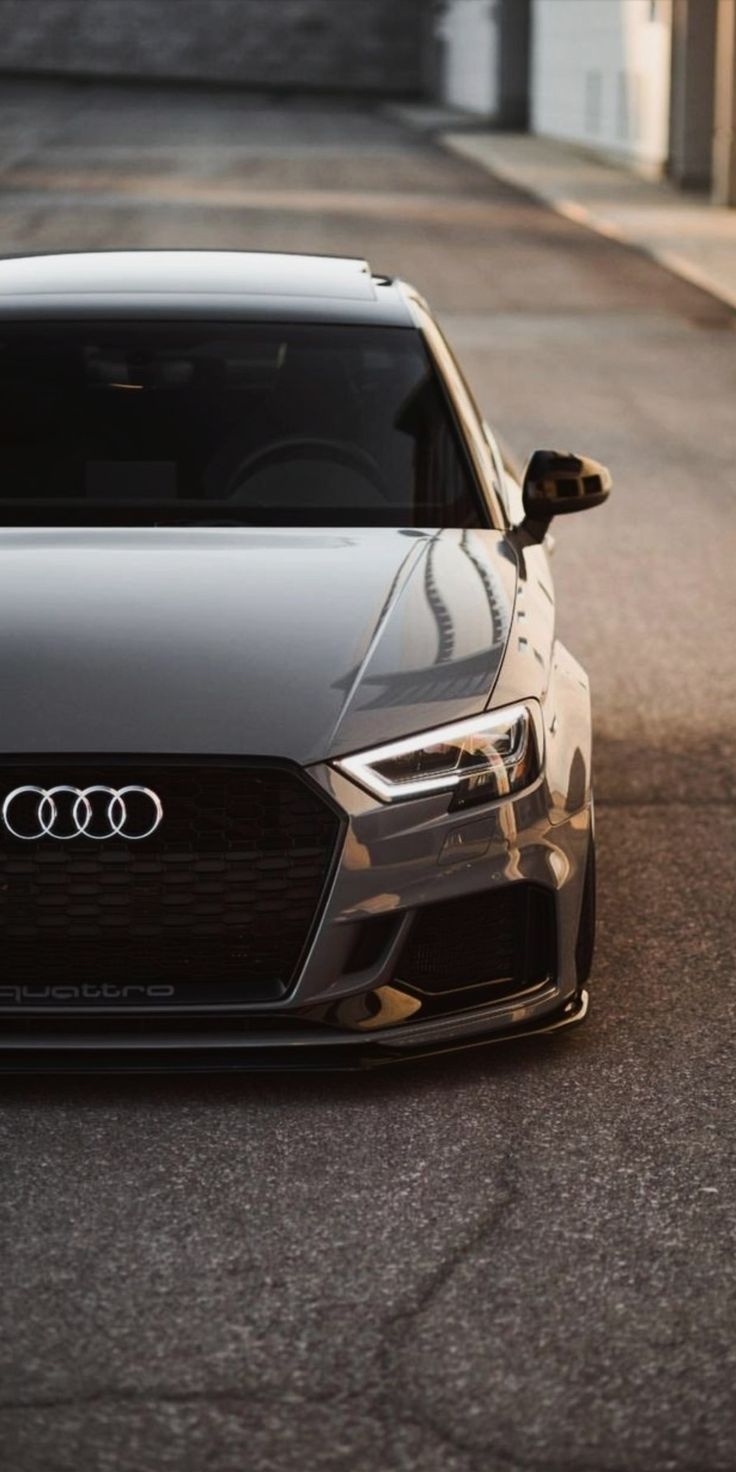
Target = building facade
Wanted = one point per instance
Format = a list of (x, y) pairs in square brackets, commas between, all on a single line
[(354, 46), (600, 77), (484, 57), (650, 83)]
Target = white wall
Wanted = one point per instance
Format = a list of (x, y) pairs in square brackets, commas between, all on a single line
[(601, 76), (469, 30)]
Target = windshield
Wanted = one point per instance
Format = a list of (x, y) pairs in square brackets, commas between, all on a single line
[(160, 423)]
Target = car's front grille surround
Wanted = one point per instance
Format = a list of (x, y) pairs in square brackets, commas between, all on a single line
[(217, 907)]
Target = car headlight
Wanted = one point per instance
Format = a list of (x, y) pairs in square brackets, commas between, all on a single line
[(485, 757)]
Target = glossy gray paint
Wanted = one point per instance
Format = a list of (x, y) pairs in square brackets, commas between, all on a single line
[(181, 285), (301, 644), (185, 273), (305, 645)]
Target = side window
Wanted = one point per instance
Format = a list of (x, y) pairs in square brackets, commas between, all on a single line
[(467, 413)]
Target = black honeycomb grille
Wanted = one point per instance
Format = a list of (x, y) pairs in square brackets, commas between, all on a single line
[(494, 937), (217, 906)]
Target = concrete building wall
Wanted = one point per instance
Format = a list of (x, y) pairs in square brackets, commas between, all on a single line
[(600, 76), (472, 44), (485, 49), (692, 95), (724, 137), (352, 45)]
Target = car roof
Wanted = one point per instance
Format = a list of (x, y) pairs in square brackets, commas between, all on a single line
[(200, 283)]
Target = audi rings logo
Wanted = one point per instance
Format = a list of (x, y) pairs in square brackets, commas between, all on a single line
[(82, 812)]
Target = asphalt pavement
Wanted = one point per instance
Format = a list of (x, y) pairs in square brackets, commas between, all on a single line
[(519, 1259)]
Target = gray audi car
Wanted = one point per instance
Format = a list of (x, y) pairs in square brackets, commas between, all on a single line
[(294, 769)]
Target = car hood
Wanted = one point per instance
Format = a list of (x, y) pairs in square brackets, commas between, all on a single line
[(301, 644)]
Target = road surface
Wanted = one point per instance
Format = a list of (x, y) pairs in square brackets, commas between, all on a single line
[(514, 1260)]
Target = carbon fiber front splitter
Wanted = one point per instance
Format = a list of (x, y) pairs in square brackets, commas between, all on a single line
[(228, 1053)]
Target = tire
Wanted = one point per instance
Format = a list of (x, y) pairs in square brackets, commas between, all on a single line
[(585, 945)]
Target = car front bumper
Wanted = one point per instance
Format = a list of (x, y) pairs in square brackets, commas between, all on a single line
[(351, 1005), (231, 1050)]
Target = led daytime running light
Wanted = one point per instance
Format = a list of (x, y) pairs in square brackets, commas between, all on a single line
[(497, 751)]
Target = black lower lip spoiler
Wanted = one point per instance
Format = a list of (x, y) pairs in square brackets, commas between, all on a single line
[(306, 1058)]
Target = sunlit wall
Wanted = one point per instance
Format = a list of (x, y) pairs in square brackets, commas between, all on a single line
[(601, 76)]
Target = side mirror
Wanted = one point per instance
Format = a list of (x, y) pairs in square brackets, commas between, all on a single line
[(557, 482)]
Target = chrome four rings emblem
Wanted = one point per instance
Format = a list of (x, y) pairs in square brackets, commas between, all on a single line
[(82, 812)]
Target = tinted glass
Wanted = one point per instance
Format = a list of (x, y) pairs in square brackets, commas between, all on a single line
[(284, 425)]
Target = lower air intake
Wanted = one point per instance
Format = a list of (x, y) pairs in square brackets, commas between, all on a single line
[(493, 937)]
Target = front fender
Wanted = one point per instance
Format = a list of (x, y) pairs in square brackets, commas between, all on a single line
[(568, 736)]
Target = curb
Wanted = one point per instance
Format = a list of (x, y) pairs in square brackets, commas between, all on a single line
[(461, 144)]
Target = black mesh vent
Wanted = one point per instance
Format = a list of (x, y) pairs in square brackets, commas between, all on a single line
[(218, 904), (495, 936)]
